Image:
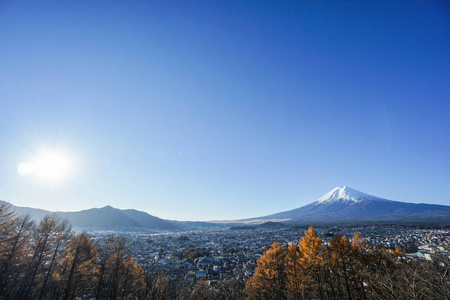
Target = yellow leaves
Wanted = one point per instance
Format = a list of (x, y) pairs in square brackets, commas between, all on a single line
[(271, 262), (135, 273), (292, 270), (47, 261), (77, 263), (311, 248), (397, 252), (270, 274), (293, 255), (118, 273), (311, 244), (358, 242)]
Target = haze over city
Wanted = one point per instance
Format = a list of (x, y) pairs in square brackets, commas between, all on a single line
[(222, 110)]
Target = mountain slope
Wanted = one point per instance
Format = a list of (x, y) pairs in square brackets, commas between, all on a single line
[(148, 221), (36, 214), (105, 217), (344, 203), (102, 218)]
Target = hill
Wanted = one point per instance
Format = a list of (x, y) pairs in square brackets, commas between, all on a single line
[(346, 204), (103, 218)]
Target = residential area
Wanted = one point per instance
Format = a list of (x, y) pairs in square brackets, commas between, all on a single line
[(214, 254)]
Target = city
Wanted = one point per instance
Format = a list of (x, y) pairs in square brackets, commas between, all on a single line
[(227, 252)]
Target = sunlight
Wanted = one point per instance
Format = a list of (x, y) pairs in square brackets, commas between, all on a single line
[(49, 166), (52, 166)]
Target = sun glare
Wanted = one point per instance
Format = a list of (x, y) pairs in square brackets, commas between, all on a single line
[(49, 166)]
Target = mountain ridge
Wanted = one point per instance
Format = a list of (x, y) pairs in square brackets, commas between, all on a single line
[(106, 217), (341, 204), (346, 204)]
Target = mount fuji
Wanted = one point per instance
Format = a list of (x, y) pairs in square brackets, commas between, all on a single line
[(346, 204)]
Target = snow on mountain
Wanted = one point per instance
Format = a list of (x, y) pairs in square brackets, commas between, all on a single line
[(344, 204), (345, 194)]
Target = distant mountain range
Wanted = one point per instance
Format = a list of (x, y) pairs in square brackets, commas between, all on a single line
[(108, 217), (339, 205), (346, 204)]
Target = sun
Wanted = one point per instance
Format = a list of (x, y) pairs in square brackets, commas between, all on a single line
[(48, 166), (52, 166)]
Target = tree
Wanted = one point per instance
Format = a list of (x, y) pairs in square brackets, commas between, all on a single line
[(311, 261), (164, 286), (294, 272), (347, 261), (6, 224), (269, 279), (132, 284), (41, 255), (391, 277), (117, 273), (63, 233), (231, 289), (202, 291), (75, 269), (15, 233)]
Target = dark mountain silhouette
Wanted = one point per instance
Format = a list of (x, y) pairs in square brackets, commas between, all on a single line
[(109, 217), (103, 218), (346, 204)]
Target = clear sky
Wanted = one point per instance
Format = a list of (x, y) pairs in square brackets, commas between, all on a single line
[(201, 110)]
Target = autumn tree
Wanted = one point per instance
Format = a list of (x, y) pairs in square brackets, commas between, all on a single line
[(392, 276), (164, 286), (62, 233), (347, 259), (311, 261), (294, 272), (117, 273), (6, 224), (15, 233), (132, 284), (269, 279), (75, 270), (157, 286), (106, 284), (231, 289), (39, 259), (203, 291)]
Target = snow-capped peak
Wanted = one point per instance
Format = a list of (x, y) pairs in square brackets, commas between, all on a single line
[(344, 194)]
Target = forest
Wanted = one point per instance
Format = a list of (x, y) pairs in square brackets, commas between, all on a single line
[(49, 261), (346, 269)]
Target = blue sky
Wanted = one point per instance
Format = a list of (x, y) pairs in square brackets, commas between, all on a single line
[(200, 110)]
